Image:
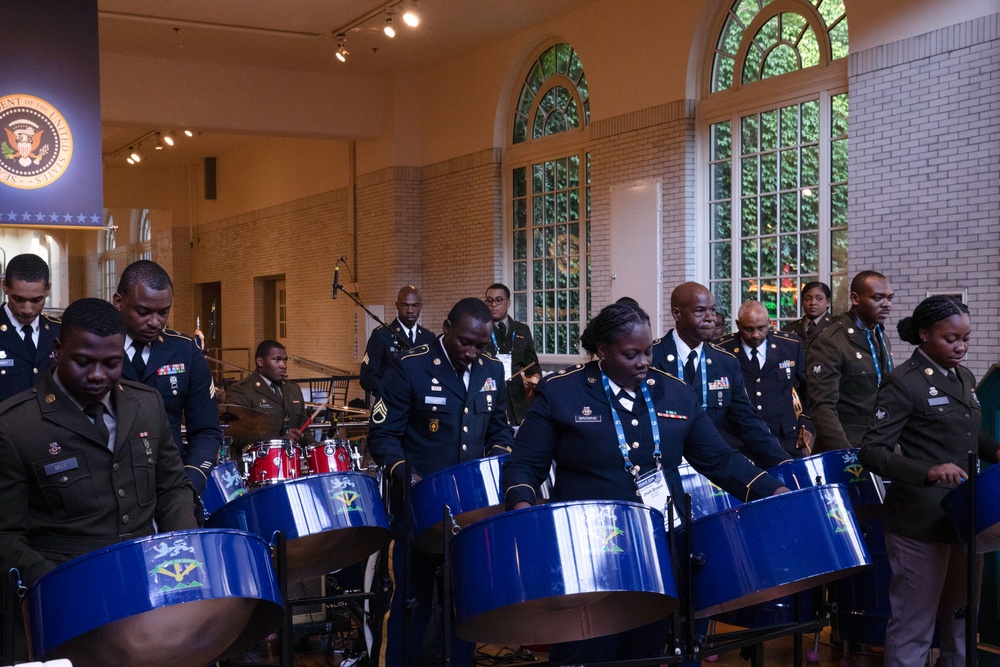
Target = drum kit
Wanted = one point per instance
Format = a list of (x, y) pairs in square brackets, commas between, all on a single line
[(554, 572)]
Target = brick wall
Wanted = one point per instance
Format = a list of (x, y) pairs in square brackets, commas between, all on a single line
[(925, 172)]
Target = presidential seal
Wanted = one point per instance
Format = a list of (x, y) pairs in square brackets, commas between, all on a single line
[(36, 144)]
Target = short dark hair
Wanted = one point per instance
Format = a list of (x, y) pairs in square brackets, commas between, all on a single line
[(612, 323), (144, 272), (27, 268), (473, 307), (94, 316), (506, 290), (929, 312), (813, 284), (860, 279), (266, 346)]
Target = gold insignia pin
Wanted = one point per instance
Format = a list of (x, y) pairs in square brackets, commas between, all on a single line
[(850, 330), (773, 346), (670, 357), (256, 384), (50, 399), (650, 381), (480, 362), (591, 380), (159, 339), (859, 354), (437, 362), (3, 327), (708, 361), (928, 371)]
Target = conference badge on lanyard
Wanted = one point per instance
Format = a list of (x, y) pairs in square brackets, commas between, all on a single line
[(654, 492)]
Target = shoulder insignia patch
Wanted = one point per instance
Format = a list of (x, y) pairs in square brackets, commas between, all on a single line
[(881, 414), (817, 369), (379, 412)]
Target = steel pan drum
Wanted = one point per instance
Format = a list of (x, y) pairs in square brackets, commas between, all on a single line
[(839, 466), (562, 572), (863, 599), (471, 490), (956, 505), (330, 521), (773, 547), (180, 599), (706, 497), (224, 484)]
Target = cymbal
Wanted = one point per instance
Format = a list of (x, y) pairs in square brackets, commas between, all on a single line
[(242, 422), (343, 409)]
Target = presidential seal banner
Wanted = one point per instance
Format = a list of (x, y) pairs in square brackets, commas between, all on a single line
[(50, 115)]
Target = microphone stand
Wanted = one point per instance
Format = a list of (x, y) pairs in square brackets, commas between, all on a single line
[(406, 344)]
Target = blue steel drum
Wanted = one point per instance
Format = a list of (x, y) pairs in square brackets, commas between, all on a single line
[(863, 599), (956, 505), (706, 497), (840, 466), (561, 572), (773, 547), (330, 521), (180, 599), (471, 490), (224, 484)]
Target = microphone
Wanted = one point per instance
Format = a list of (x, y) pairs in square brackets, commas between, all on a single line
[(336, 278)]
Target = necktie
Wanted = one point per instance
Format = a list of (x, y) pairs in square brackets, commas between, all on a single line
[(502, 328), (689, 367), (276, 386), (811, 328), (137, 363), (757, 359), (29, 341), (96, 412), (883, 351)]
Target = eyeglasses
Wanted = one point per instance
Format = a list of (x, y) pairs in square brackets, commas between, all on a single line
[(490, 301)]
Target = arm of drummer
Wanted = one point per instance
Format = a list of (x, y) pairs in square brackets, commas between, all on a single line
[(824, 393), (713, 457), (388, 421), (14, 494), (532, 454), (894, 405)]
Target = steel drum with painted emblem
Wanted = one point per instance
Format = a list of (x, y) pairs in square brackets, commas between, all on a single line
[(840, 466), (330, 521), (562, 572), (180, 599), (956, 505)]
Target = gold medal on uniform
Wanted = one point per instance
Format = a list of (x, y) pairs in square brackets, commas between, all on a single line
[(433, 426)]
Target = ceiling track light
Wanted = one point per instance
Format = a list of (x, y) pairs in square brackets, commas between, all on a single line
[(189, 133), (411, 16), (159, 142), (168, 138), (389, 31), (342, 51), (133, 154)]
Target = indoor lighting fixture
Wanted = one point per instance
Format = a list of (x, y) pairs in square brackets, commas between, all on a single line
[(342, 52), (130, 160), (168, 138), (189, 133), (412, 16), (159, 142), (134, 154), (389, 31)]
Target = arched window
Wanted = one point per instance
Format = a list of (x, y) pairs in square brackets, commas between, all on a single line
[(144, 238), (550, 201), (109, 280), (775, 124)]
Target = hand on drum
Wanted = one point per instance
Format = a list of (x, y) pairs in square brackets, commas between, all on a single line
[(294, 435), (949, 473), (523, 504), (781, 489)]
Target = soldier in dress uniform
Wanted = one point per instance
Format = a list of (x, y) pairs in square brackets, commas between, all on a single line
[(171, 363), (773, 364), (398, 336), (26, 333), (714, 374), (846, 363), (441, 404), (925, 419), (511, 343), (815, 312), (269, 390)]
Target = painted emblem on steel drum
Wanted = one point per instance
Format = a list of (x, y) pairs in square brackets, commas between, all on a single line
[(175, 567), (838, 513), (610, 531)]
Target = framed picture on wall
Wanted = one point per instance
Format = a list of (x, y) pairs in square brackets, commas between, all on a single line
[(960, 293)]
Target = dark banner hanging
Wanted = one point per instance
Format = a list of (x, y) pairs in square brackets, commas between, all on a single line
[(50, 114)]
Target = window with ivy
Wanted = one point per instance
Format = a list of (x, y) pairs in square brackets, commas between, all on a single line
[(550, 203), (144, 239), (109, 280), (777, 192)]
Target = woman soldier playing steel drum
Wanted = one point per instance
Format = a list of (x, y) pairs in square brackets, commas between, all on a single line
[(613, 426), (928, 409)]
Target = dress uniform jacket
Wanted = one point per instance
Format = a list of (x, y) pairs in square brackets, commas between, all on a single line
[(426, 415), (933, 420), (383, 345), (570, 422), (64, 493), (254, 392), (521, 348), (798, 327), (178, 371), (17, 371), (770, 387), (842, 383), (727, 402)]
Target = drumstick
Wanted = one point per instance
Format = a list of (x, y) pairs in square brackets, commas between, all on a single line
[(521, 372), (313, 416)]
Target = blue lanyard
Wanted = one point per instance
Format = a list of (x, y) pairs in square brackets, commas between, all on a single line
[(871, 346), (704, 377), (493, 335), (654, 425)]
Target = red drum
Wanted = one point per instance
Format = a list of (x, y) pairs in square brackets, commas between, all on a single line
[(270, 461), (329, 456)]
